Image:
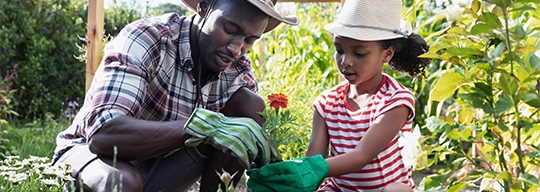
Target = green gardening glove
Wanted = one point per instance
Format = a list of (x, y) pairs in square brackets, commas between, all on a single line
[(241, 136), (303, 174)]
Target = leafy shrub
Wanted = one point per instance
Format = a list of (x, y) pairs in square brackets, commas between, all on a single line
[(40, 39), (484, 102)]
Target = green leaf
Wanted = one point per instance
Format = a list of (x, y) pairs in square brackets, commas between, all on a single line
[(508, 83), (531, 99), (446, 86), (525, 1), (466, 115), (475, 6), (481, 28), (430, 56), (504, 104), (501, 3), (524, 8), (458, 161), (535, 61), (433, 182), (457, 30), (502, 126), (483, 88), (457, 187), (491, 19), (435, 125), (498, 50), (464, 51), (503, 176)]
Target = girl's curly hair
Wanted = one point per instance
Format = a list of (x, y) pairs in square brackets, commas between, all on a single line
[(405, 57)]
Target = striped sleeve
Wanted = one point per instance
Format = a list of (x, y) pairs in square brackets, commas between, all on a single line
[(319, 104), (400, 98)]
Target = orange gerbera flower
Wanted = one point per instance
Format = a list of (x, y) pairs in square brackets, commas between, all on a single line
[(278, 100)]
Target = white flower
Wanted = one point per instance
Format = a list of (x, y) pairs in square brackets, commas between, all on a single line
[(463, 3), (50, 182), (17, 178), (490, 184), (410, 153), (453, 13), (34, 159)]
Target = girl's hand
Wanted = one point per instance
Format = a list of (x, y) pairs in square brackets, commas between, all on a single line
[(303, 174)]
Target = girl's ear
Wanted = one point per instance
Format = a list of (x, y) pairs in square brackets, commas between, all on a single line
[(203, 7), (388, 54)]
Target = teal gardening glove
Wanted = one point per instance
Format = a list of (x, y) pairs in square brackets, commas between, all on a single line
[(241, 136), (303, 174)]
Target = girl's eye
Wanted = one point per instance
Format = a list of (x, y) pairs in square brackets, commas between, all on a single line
[(339, 52), (359, 54)]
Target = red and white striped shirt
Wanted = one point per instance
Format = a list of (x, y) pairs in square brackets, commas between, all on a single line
[(346, 127)]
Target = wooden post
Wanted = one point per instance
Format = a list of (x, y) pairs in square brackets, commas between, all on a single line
[(94, 39)]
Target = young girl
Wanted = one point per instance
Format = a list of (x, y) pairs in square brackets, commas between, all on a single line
[(362, 118)]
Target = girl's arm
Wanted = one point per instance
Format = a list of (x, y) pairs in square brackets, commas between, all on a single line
[(379, 135), (318, 144)]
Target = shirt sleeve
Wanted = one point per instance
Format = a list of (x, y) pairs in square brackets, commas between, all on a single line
[(246, 75), (401, 98), (120, 83), (320, 103)]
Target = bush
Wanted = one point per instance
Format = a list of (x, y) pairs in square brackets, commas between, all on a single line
[(40, 39)]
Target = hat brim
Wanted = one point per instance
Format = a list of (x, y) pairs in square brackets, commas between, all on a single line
[(273, 22), (365, 34)]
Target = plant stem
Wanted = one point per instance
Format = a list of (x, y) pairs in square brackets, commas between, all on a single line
[(507, 40), (519, 152)]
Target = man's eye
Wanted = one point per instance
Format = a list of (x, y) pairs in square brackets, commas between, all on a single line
[(230, 31)]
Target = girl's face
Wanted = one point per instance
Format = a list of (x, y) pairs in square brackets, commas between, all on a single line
[(360, 61)]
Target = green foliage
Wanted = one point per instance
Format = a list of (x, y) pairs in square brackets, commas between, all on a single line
[(297, 61), (39, 37), (119, 14), (484, 96), (278, 125), (169, 8), (7, 98)]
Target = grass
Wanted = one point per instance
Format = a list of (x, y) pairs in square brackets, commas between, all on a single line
[(35, 138), (26, 152)]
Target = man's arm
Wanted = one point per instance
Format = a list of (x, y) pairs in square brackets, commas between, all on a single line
[(243, 103), (138, 139)]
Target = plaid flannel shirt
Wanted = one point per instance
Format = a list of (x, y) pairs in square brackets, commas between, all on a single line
[(147, 73)]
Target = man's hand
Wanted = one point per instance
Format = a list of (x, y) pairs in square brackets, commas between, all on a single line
[(303, 174), (241, 136)]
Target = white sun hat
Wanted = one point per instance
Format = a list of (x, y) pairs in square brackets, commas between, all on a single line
[(370, 20)]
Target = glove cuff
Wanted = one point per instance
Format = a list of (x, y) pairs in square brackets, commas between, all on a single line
[(319, 166)]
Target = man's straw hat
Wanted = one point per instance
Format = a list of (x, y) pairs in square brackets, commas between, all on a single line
[(370, 20), (266, 6)]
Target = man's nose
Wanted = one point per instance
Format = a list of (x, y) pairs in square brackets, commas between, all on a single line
[(235, 47)]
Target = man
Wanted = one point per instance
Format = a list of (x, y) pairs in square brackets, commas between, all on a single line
[(130, 132)]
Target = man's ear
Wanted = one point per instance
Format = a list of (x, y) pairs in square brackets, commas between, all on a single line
[(203, 7), (388, 54)]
